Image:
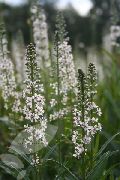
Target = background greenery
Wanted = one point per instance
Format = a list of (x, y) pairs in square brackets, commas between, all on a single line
[(90, 31)]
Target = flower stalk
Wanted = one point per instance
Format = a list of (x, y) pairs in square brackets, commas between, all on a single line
[(86, 113), (34, 103)]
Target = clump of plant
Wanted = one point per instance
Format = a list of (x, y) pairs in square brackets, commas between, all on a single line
[(60, 125)]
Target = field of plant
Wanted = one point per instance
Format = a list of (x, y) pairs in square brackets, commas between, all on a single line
[(56, 123)]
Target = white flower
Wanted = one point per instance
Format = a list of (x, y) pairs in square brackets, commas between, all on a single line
[(53, 102), (79, 149), (40, 34), (67, 73), (60, 114), (115, 34), (7, 77), (35, 160), (86, 113), (18, 55), (34, 101), (67, 80)]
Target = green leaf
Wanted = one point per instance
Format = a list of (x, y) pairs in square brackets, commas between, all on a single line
[(96, 144), (61, 172), (97, 171), (19, 142), (17, 151), (107, 172), (64, 167), (105, 145), (51, 151), (21, 175), (9, 170), (5, 120), (112, 103), (12, 161)]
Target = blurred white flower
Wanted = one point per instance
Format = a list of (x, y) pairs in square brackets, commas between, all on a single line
[(40, 35), (7, 77), (115, 35)]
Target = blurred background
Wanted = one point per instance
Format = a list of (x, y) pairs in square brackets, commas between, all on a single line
[(94, 30), (88, 23)]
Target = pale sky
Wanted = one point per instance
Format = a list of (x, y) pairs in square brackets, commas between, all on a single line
[(82, 6), (14, 2)]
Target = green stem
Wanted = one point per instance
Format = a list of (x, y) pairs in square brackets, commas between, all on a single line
[(91, 114), (46, 88), (33, 110), (58, 103), (82, 102)]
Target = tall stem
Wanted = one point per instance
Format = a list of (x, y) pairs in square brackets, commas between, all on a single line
[(91, 113), (33, 110), (58, 102), (82, 99)]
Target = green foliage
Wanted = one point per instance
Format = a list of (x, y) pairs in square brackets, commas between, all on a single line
[(100, 162), (109, 94)]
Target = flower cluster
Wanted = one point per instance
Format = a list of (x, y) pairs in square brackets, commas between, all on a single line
[(66, 81), (18, 56), (16, 106), (60, 114), (34, 101), (66, 67), (67, 73), (115, 35), (86, 112), (40, 34), (35, 160), (7, 76)]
